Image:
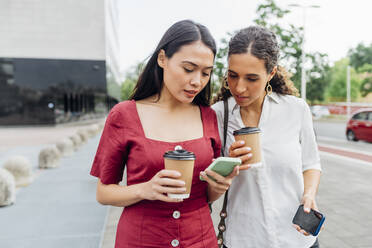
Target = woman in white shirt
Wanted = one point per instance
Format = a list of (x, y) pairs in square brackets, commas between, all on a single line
[(262, 201)]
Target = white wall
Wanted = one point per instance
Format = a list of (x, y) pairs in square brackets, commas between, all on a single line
[(62, 29)]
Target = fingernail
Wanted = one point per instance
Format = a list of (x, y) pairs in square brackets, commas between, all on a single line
[(248, 148), (250, 155), (241, 142), (307, 210)]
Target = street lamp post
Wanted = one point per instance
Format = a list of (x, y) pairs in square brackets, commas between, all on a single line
[(303, 71), (348, 91)]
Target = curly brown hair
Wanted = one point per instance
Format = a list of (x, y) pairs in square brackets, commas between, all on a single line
[(261, 43)]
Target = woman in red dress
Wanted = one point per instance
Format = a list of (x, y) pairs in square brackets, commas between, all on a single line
[(169, 108)]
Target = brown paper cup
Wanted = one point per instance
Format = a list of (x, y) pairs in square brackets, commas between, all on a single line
[(183, 162), (251, 136), (186, 168)]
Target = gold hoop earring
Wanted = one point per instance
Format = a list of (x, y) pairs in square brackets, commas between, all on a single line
[(224, 83), (269, 89)]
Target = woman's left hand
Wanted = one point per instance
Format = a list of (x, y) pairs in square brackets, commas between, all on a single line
[(309, 203), (222, 183)]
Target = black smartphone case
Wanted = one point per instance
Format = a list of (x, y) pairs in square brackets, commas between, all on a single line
[(310, 222)]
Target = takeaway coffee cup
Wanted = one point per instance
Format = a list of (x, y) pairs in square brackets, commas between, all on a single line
[(183, 162), (251, 136)]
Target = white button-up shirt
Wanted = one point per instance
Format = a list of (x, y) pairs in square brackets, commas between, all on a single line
[(263, 201)]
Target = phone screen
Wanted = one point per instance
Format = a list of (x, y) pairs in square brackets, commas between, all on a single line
[(223, 166)]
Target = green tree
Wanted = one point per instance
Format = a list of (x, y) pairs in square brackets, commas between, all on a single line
[(366, 86), (360, 55), (220, 64), (130, 81), (365, 68), (361, 60), (113, 87), (127, 88), (337, 87), (270, 15), (290, 38), (318, 77)]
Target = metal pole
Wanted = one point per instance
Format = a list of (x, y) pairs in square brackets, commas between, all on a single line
[(303, 71), (348, 90), (303, 57)]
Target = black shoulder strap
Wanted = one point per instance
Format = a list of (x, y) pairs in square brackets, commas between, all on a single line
[(225, 122), (223, 213)]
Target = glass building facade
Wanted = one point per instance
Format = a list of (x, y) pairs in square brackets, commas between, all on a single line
[(53, 70)]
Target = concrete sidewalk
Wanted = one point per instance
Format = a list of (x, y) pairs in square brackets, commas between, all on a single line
[(59, 208)]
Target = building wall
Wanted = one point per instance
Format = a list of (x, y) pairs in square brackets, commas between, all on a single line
[(63, 29), (50, 91), (56, 59)]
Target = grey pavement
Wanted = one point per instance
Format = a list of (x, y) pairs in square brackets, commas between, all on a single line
[(59, 209), (345, 197)]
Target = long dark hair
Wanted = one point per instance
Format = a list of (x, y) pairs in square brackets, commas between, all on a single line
[(150, 82), (261, 43)]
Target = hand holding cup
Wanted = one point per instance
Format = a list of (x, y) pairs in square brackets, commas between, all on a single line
[(239, 150), (164, 182), (251, 137)]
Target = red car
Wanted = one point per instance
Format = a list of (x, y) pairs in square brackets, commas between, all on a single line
[(359, 127)]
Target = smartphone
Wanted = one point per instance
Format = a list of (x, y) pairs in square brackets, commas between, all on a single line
[(223, 166), (310, 222)]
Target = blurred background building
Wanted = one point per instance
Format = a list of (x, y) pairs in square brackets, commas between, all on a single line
[(58, 60)]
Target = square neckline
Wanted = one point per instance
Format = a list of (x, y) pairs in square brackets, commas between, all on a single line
[(138, 119)]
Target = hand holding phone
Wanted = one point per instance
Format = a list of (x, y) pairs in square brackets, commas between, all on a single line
[(223, 166), (310, 222)]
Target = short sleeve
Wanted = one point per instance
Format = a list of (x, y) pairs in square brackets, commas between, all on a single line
[(219, 109), (309, 147), (111, 155), (214, 133)]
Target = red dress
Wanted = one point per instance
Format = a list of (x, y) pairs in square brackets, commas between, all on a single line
[(156, 223)]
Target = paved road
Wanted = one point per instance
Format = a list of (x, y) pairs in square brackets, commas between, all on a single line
[(330, 129)]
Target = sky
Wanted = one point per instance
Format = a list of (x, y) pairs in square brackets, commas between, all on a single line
[(333, 28)]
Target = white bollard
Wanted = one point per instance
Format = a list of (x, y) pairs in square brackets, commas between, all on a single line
[(49, 158), (84, 135), (93, 130), (76, 140), (7, 188), (65, 147), (21, 168)]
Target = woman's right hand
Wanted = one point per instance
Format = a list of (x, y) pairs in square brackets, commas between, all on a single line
[(165, 181), (238, 150)]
